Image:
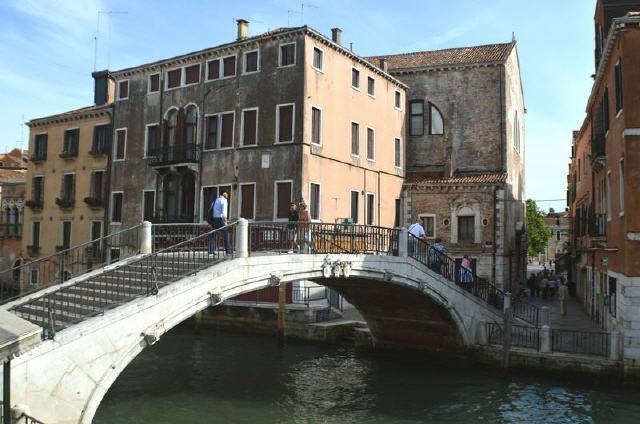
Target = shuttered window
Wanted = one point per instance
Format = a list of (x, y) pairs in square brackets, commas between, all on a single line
[(355, 207), (213, 69), (229, 66), (192, 74), (247, 199), (314, 200), (466, 228), (174, 78), (251, 62), (355, 78), (287, 54), (371, 144), (121, 141), (152, 139), (116, 207), (123, 90), (249, 127), (316, 125), (226, 136), (211, 141), (371, 202), (148, 205), (618, 77), (285, 123), (355, 139), (40, 147), (154, 83), (283, 199), (398, 150)]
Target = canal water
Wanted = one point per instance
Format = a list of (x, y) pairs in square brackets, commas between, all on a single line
[(232, 378)]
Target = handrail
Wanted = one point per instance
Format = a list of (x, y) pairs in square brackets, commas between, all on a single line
[(22, 419)]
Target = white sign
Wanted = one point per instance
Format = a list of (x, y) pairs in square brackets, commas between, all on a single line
[(266, 158)]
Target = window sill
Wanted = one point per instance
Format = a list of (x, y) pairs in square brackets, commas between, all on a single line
[(619, 114), (356, 88), (124, 98), (315, 144), (190, 84), (355, 156), (118, 160), (371, 96), (250, 72), (286, 66), (397, 108), (172, 88), (283, 142), (247, 146), (149, 93), (621, 213), (317, 69)]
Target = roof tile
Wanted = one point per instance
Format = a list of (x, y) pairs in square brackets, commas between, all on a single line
[(429, 179)]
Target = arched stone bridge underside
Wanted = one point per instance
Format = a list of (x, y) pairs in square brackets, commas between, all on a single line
[(404, 303)]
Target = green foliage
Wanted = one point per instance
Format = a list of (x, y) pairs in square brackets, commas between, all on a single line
[(537, 232)]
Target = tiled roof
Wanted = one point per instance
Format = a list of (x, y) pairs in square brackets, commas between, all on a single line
[(12, 174), (490, 53), (427, 179), (71, 113)]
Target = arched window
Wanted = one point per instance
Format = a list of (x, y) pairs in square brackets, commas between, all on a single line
[(190, 125), (436, 123), (172, 123)]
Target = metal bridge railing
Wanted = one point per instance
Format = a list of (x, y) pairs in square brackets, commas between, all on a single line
[(580, 342), (22, 419), (521, 336)]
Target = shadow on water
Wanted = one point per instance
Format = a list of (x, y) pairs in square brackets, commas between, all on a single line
[(234, 378)]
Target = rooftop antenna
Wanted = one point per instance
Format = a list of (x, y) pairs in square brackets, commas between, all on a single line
[(95, 46), (235, 20), (289, 13), (513, 37), (307, 5)]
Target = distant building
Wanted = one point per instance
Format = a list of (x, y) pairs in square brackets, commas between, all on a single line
[(558, 244), (12, 185), (465, 154)]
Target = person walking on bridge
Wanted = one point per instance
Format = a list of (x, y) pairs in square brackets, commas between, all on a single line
[(220, 214), (416, 230)]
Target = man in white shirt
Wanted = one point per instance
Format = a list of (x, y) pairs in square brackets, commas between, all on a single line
[(219, 211), (416, 231)]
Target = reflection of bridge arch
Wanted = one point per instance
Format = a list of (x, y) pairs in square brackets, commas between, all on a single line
[(89, 356)]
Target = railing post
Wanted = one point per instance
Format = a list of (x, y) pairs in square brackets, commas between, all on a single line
[(146, 245), (242, 238), (614, 346), (403, 243), (544, 316), (482, 334), (545, 339), (506, 332)]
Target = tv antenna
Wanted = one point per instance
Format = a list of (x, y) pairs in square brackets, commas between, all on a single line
[(301, 12), (235, 20), (95, 46)]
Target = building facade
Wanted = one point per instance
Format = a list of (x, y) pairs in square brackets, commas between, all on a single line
[(465, 154), (288, 115), (12, 186), (604, 178), (558, 244)]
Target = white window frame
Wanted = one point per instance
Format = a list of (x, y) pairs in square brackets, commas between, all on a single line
[(219, 131), (207, 76), (183, 79), (399, 139), (373, 96), (319, 200), (351, 204), (353, 155), (374, 144), (295, 52), (275, 199), (61, 232), (111, 207), (118, 98), (257, 109), (394, 100), (353, 68), (146, 138), (293, 123), (39, 232), (142, 203), (313, 48), (149, 92), (621, 185), (366, 209), (235, 73), (115, 145), (240, 199), (321, 125), (166, 78), (433, 216), (244, 62)]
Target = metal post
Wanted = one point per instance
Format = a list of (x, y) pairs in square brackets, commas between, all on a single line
[(506, 334), (614, 346), (242, 238), (544, 315), (146, 245), (545, 339), (282, 299), (403, 241), (6, 391)]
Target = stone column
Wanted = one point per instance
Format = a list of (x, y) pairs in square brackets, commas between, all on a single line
[(146, 245), (614, 346), (545, 339), (242, 238), (544, 316), (403, 243), (482, 334)]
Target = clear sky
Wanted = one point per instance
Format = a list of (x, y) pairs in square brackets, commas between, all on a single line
[(47, 50)]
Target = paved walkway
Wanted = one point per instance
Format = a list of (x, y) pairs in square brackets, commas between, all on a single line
[(576, 318)]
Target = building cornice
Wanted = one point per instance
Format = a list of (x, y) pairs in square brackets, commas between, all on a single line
[(70, 116)]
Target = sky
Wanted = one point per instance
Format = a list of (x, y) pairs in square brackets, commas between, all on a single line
[(48, 52)]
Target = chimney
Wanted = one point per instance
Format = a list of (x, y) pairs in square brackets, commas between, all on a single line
[(336, 35), (384, 65), (104, 87), (243, 29)]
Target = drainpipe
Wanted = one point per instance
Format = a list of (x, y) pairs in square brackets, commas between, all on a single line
[(201, 145), (107, 181), (379, 195), (503, 124), (160, 139), (6, 391)]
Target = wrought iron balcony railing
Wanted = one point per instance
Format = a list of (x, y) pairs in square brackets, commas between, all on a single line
[(36, 203), (170, 155), (94, 202), (65, 202)]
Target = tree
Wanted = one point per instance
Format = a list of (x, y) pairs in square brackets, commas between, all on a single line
[(537, 232)]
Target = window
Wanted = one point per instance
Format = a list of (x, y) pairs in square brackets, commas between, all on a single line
[(70, 143), (355, 139), (148, 205), (466, 228), (318, 57), (251, 61), (229, 66), (619, 95), (283, 197), (416, 118), (613, 283), (123, 90), (398, 149), (226, 130), (371, 201), (152, 139), (371, 144), (287, 55), (97, 185), (190, 125), (608, 195), (516, 132), (247, 200), (96, 233), (65, 235), (355, 78), (316, 126), (396, 221), (314, 201), (436, 124), (101, 139), (34, 277), (284, 123), (398, 100), (35, 234), (558, 235), (116, 207), (213, 69), (37, 190), (219, 131), (249, 134), (211, 141), (174, 78), (121, 144), (192, 74), (40, 149), (154, 83), (605, 107), (621, 169), (371, 86), (429, 225), (355, 208)]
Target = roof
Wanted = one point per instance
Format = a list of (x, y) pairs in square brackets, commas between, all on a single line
[(71, 114), (12, 175), (462, 56), (422, 179)]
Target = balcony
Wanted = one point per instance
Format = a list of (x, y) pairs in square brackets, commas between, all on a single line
[(69, 154), (94, 202), (35, 204), (65, 202), (598, 226), (100, 150), (33, 251), (10, 230), (37, 158), (172, 155)]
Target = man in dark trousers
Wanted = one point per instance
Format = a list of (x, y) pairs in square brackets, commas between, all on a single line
[(220, 214)]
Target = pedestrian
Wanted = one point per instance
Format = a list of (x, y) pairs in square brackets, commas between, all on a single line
[(220, 215), (466, 273), (563, 295), (416, 232), (304, 219), (293, 226), (436, 254)]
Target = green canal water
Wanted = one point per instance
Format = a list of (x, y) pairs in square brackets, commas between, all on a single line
[(230, 378)]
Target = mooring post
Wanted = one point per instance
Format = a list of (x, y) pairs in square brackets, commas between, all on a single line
[(145, 239), (6, 391), (506, 332), (242, 238), (282, 308)]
